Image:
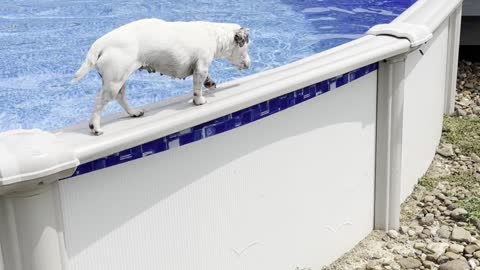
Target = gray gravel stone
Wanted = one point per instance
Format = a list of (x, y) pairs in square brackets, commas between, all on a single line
[(475, 157), (476, 110), (419, 245), (437, 249), (444, 232), (459, 214), (427, 220), (461, 112), (460, 234), (445, 150), (455, 265), (377, 256), (429, 198), (393, 234), (456, 248), (373, 265), (452, 256), (409, 263), (443, 259), (473, 263), (471, 249), (429, 264)]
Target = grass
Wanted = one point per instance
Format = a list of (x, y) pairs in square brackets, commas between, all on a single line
[(428, 182), (463, 133), (472, 205), (464, 179)]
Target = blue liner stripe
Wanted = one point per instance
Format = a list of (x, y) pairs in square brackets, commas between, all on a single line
[(225, 123)]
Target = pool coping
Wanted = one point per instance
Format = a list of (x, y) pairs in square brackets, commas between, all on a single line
[(227, 122), (122, 132)]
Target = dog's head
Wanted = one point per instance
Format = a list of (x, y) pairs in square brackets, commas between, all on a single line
[(239, 57)]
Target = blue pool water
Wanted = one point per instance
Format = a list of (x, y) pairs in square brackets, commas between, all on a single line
[(42, 43)]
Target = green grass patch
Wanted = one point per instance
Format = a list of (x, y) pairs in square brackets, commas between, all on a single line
[(428, 182), (461, 133), (464, 179), (472, 205)]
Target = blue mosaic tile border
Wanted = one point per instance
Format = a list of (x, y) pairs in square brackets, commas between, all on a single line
[(225, 123)]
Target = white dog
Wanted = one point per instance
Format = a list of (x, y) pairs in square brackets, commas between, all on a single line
[(176, 49)]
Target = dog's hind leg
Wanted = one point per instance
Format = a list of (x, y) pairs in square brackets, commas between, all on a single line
[(115, 65), (102, 99), (122, 100), (109, 92)]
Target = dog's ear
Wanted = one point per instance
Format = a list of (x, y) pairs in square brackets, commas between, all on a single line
[(241, 36)]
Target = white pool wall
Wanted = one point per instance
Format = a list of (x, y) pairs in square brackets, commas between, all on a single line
[(423, 108), (295, 189), (248, 199)]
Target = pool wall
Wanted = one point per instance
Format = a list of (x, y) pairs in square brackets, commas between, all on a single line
[(425, 78), (285, 169)]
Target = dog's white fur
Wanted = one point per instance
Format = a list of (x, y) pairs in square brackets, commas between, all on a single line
[(176, 49)]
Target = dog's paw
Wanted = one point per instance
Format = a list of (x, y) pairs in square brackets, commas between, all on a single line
[(97, 132), (211, 86), (199, 100), (137, 113)]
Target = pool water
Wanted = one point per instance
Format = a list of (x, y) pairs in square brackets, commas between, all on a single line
[(43, 43)]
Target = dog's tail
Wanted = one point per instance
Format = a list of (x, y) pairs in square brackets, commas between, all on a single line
[(89, 63)]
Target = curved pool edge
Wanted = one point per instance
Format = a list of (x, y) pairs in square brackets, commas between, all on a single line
[(404, 141), (163, 119)]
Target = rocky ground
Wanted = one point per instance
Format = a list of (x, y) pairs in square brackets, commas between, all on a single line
[(441, 219)]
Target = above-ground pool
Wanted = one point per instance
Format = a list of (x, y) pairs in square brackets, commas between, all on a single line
[(42, 44), (287, 166)]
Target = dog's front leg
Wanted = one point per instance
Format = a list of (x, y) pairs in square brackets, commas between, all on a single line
[(199, 76)]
